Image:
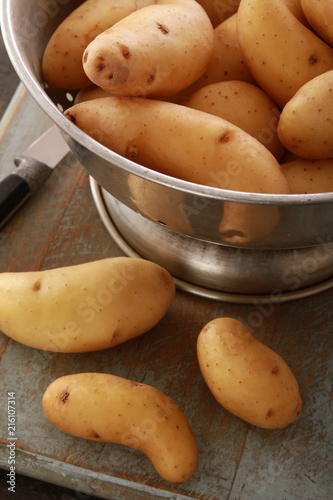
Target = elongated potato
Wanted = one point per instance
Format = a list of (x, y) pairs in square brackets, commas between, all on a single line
[(281, 53), (86, 307), (181, 142), (309, 176), (154, 52), (246, 377), (244, 105), (306, 123), (319, 13), (62, 60), (108, 408)]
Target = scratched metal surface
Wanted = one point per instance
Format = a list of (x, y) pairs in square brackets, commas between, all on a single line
[(60, 226)]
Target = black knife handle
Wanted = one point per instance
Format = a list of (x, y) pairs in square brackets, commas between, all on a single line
[(17, 188), (14, 191)]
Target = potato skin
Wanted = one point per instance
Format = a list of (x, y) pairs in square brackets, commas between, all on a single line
[(269, 35), (108, 408), (226, 63), (246, 377), (219, 10), (244, 105), (154, 52), (309, 176), (62, 60), (306, 122), (181, 142), (319, 13), (86, 307)]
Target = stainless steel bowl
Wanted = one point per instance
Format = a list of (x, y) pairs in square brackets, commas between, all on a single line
[(228, 245)]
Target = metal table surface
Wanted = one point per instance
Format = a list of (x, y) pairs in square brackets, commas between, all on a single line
[(60, 226)]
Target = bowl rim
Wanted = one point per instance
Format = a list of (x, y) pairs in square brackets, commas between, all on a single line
[(38, 93)]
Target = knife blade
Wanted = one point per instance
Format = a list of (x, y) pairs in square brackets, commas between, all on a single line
[(34, 167)]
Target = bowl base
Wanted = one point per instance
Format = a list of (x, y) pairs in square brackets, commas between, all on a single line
[(308, 279)]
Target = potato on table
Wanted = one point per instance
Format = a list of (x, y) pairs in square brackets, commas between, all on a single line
[(108, 408), (181, 142), (154, 52), (246, 377), (86, 307)]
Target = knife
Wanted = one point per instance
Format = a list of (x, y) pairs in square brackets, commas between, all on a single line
[(34, 167)]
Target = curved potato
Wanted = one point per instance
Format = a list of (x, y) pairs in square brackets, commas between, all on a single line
[(306, 123), (309, 176), (86, 307), (219, 10), (319, 13), (62, 60), (281, 53), (244, 105), (246, 377), (154, 52), (181, 142), (108, 408)]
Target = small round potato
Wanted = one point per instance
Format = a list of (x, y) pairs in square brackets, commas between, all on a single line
[(107, 408), (246, 377)]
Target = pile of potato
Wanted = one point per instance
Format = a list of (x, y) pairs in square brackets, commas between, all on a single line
[(189, 88)]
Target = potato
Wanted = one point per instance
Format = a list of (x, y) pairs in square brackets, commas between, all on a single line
[(244, 105), (281, 53), (246, 377), (181, 142), (296, 8), (154, 52), (108, 408), (319, 13), (227, 61), (62, 60), (219, 10), (306, 123), (86, 307), (90, 93), (309, 176)]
